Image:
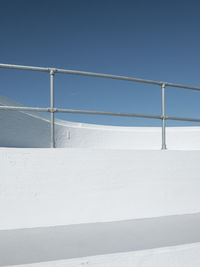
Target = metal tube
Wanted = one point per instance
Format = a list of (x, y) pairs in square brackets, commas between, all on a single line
[(182, 86), (93, 74), (131, 79), (24, 108), (52, 126), (92, 112), (106, 76), (76, 111), (163, 119), (181, 119), (21, 67)]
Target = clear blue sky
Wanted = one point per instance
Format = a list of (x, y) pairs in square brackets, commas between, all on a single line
[(148, 39)]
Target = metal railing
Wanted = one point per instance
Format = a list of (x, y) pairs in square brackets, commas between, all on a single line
[(52, 109)]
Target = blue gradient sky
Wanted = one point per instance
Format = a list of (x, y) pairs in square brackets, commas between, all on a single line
[(157, 40)]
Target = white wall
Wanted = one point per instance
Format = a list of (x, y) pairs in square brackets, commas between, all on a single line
[(40, 187), (99, 177), (184, 256), (31, 129)]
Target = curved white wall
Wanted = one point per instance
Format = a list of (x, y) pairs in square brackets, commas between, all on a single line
[(31, 129)]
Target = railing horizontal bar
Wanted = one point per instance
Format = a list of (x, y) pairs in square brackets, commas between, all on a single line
[(100, 75), (107, 76), (182, 86), (181, 119), (24, 108), (21, 67), (107, 113), (82, 73), (92, 112)]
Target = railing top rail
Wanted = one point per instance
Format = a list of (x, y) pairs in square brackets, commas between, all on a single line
[(99, 75)]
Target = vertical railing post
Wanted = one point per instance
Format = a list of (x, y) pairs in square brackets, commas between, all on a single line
[(163, 119), (52, 126)]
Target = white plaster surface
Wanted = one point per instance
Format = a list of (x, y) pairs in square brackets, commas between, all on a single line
[(169, 241), (43, 187), (69, 207), (31, 129), (178, 256)]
